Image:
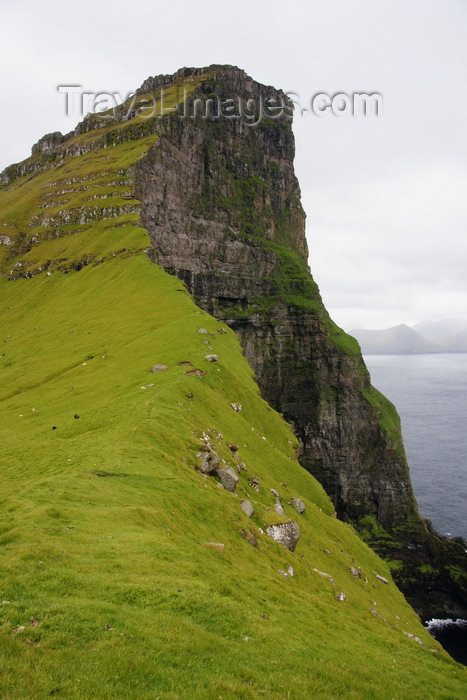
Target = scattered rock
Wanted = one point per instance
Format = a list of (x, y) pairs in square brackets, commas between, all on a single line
[(76, 415), (215, 459), (290, 571), (196, 372), (206, 467), (212, 358), (236, 407), (279, 509), (275, 493), (382, 579), (341, 597), (376, 614), (321, 573), (228, 477), (298, 504), (326, 551), (412, 636), (254, 482), (232, 447), (250, 538), (356, 573), (247, 508), (159, 368), (218, 546), (202, 330), (286, 534), (204, 447)]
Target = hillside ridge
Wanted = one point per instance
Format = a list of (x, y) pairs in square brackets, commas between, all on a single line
[(217, 203)]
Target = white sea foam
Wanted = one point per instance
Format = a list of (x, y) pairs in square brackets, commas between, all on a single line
[(433, 625)]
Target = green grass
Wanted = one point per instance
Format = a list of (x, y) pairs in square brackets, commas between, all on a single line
[(388, 418), (107, 588), (104, 520)]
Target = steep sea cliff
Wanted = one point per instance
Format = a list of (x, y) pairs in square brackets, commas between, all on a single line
[(215, 188)]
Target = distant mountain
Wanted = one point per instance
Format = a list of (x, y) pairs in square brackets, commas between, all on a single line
[(398, 340), (442, 332), (458, 343)]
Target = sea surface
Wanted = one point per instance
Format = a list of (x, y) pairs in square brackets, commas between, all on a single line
[(430, 395)]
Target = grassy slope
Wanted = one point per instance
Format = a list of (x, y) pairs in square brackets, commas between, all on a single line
[(104, 520), (108, 588)]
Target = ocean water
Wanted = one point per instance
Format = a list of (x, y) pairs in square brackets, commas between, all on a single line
[(430, 394)]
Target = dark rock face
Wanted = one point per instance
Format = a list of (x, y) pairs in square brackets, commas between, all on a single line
[(222, 206), (48, 143)]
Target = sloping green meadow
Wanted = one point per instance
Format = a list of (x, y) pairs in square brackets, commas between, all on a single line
[(107, 586)]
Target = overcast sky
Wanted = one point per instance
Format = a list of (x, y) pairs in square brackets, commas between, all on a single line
[(385, 197)]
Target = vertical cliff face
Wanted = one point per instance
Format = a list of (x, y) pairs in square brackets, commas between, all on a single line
[(222, 204)]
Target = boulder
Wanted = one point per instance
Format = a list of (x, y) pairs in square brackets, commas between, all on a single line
[(212, 358), (299, 506), (278, 508), (250, 538), (215, 460), (228, 477), (287, 534), (206, 467), (159, 368), (247, 508)]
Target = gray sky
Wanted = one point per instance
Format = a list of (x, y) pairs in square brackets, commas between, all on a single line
[(385, 197)]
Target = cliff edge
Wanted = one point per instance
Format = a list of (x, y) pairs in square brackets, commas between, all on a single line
[(215, 188)]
